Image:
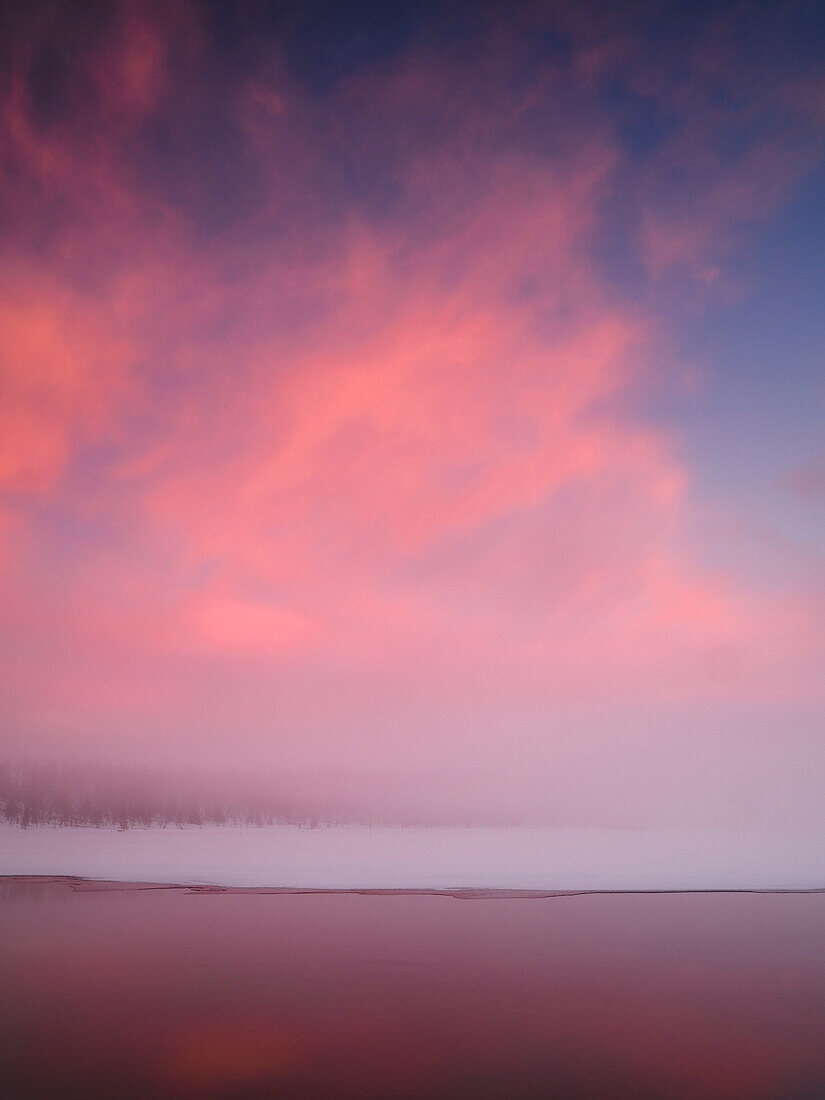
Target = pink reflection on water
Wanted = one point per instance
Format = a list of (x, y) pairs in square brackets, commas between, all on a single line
[(164, 993)]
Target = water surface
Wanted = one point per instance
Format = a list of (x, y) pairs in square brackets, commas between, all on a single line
[(167, 993)]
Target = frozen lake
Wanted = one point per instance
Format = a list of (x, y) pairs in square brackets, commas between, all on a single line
[(354, 857)]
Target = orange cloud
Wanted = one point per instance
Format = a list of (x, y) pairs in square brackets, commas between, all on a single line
[(64, 373)]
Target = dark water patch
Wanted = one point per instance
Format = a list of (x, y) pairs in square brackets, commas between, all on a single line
[(131, 989)]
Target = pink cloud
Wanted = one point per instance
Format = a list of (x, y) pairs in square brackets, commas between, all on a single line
[(64, 372), (383, 462)]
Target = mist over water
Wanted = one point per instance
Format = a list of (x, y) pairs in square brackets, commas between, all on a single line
[(411, 515), (411, 483)]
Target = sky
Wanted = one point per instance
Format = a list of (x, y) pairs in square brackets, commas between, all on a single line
[(423, 399)]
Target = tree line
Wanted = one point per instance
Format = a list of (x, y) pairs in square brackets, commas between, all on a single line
[(37, 793)]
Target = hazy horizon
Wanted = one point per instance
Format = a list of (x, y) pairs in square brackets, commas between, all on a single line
[(89, 793)]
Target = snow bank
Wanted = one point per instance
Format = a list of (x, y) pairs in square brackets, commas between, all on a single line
[(353, 857)]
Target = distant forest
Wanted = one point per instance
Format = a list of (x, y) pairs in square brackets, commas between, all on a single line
[(37, 792), (107, 797)]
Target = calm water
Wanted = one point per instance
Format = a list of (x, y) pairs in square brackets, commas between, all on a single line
[(166, 993)]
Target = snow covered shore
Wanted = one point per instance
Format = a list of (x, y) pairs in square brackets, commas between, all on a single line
[(353, 857)]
